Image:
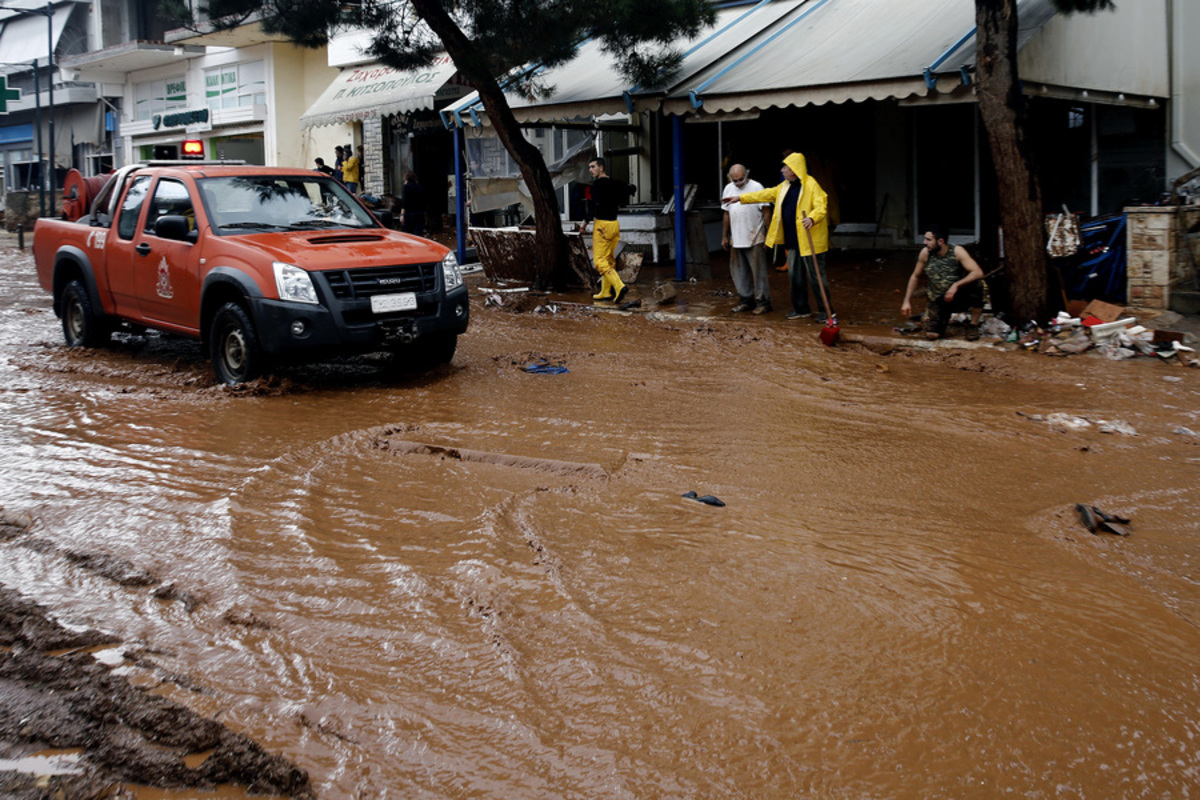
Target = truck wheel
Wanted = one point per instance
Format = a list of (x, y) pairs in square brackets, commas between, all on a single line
[(234, 346), (81, 325), (427, 352), (440, 348)]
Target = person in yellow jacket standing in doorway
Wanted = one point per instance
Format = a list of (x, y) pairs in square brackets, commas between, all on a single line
[(800, 203), (607, 196)]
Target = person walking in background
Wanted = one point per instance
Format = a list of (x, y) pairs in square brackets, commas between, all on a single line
[(607, 196), (350, 169), (412, 205), (743, 232), (322, 167), (339, 157), (800, 210)]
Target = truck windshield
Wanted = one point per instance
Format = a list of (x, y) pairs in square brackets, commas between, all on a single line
[(259, 203)]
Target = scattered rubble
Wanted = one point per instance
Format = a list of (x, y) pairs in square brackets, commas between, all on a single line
[(1064, 423)]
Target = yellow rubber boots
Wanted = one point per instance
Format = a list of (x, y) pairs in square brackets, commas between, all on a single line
[(606, 289)]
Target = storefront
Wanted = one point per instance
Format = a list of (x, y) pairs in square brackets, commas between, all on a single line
[(390, 117)]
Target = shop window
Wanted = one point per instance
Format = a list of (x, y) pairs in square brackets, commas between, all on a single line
[(159, 97), (236, 85)]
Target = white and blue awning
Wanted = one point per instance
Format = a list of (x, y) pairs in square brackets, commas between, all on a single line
[(781, 53), (373, 90)]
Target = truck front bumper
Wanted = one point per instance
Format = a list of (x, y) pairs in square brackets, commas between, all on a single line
[(290, 330)]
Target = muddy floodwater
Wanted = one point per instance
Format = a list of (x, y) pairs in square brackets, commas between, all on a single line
[(482, 582)]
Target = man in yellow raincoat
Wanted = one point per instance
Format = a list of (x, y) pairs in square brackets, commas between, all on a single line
[(800, 203)]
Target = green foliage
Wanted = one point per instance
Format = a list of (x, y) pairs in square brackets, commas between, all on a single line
[(638, 34)]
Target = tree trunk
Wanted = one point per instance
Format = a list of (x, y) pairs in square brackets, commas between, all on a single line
[(553, 267), (1002, 108)]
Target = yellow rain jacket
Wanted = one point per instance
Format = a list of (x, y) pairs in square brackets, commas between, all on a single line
[(813, 202)]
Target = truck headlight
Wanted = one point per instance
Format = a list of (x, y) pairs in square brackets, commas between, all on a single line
[(451, 277), (294, 284)]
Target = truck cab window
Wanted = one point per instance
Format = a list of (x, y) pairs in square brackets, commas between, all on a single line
[(131, 206), (170, 197)]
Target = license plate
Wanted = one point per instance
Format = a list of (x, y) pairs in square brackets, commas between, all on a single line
[(383, 303)]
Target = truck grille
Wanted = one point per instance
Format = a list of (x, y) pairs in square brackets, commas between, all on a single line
[(347, 284)]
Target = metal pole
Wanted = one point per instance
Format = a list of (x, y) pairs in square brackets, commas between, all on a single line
[(680, 212), (50, 80), (37, 125), (460, 197)]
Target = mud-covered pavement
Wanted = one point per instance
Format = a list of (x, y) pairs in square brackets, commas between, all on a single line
[(482, 582)]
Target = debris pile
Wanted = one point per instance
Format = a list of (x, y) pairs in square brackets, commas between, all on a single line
[(1100, 326)]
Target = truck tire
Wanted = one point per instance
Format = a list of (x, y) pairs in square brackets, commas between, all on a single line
[(82, 327), (236, 356), (440, 348)]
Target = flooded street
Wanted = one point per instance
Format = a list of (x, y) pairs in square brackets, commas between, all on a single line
[(484, 583)]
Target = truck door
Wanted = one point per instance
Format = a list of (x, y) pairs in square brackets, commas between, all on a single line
[(119, 256), (167, 274)]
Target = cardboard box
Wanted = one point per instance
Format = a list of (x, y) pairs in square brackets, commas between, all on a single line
[(1105, 311), (1167, 336)]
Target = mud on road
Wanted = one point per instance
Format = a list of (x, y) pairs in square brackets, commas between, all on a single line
[(56, 696)]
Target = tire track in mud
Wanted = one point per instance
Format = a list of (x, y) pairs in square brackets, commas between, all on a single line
[(123, 734), (606, 669)]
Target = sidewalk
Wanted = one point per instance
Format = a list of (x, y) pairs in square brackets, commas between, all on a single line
[(866, 290)]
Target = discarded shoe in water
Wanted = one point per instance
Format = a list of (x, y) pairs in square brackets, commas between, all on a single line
[(704, 498), (1097, 521)]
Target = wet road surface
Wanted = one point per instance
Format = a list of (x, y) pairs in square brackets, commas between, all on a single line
[(483, 583)]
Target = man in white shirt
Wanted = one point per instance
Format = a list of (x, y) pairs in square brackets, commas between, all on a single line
[(742, 233)]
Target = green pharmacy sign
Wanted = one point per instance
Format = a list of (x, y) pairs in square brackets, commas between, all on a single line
[(7, 94)]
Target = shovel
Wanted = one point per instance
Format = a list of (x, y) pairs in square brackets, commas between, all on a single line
[(829, 334)]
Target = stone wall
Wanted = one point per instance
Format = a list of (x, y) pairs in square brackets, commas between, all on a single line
[(1159, 257), (372, 153)]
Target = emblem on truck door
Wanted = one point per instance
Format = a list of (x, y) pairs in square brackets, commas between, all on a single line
[(165, 290)]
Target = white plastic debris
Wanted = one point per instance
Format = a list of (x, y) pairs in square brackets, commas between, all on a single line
[(1116, 426), (994, 326)]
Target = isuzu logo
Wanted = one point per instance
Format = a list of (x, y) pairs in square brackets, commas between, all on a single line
[(390, 281)]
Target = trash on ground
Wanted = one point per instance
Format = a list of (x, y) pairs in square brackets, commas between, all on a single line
[(544, 368), (994, 326), (704, 498), (1182, 431), (664, 293), (1106, 312), (1063, 423), (1097, 521)]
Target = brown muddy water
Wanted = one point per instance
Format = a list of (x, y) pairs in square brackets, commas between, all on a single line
[(484, 583)]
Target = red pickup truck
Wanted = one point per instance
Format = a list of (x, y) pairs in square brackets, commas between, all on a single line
[(261, 264)]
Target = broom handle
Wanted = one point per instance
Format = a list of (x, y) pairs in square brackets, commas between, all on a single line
[(817, 269)]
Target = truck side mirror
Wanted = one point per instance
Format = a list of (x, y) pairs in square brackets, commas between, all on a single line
[(385, 217), (174, 227)]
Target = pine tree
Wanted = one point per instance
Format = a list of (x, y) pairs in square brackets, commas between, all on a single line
[(488, 40)]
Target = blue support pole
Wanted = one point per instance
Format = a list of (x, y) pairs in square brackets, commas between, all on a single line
[(680, 212), (460, 197)]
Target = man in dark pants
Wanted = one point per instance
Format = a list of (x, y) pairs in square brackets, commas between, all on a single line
[(953, 284), (800, 209)]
